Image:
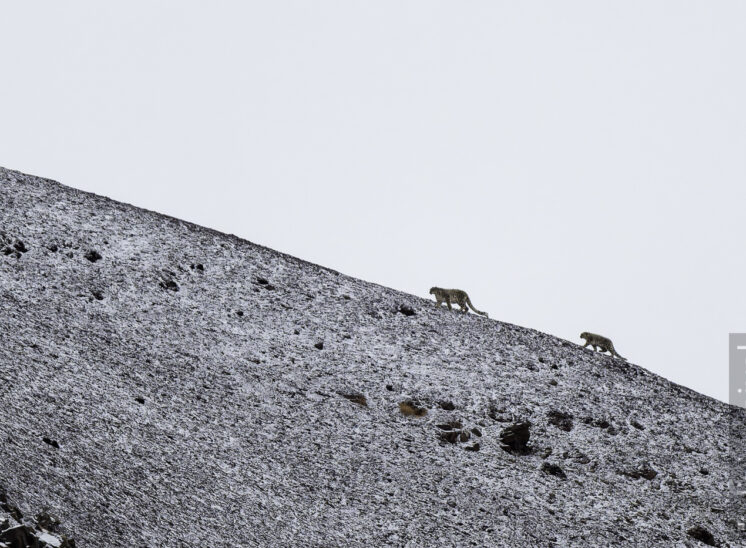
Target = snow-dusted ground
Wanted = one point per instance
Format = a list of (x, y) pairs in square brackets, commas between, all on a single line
[(191, 389)]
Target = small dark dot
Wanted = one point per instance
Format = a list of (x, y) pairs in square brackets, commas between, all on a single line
[(140, 399), (51, 442), (93, 255), (319, 345)]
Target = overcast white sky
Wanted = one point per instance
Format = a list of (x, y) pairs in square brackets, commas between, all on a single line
[(575, 165)]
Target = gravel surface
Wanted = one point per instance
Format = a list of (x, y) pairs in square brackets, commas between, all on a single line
[(163, 384)]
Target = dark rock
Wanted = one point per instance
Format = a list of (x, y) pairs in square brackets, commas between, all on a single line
[(239, 313), (703, 535), (514, 439), (18, 536), (50, 523), (140, 399), (169, 285), (98, 295), (262, 281), (499, 414), (598, 423), (390, 387), (53, 248), (406, 310), (553, 382), (642, 471), (93, 255), (561, 420), (450, 436), (319, 345), (200, 267), (447, 405), (553, 470), (477, 432), (51, 442), (20, 246), (637, 425), (473, 447)]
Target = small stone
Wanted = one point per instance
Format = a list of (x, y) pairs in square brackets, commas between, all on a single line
[(450, 436), (474, 447), (514, 438), (140, 399), (447, 405), (169, 285), (51, 442), (319, 345), (561, 420), (406, 310), (97, 295), (703, 535), (553, 470), (642, 471), (93, 255)]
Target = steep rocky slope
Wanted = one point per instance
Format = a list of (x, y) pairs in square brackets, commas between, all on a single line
[(163, 384)]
